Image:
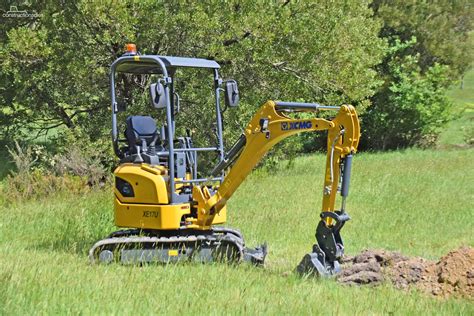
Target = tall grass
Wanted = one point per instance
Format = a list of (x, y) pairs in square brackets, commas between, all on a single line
[(418, 202)]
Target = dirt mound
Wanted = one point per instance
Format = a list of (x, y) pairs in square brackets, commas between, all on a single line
[(453, 274)]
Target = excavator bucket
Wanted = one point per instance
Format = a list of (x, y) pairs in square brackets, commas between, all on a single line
[(324, 259), (315, 264)]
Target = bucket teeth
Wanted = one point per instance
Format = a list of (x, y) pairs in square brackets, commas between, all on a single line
[(323, 260), (315, 264)]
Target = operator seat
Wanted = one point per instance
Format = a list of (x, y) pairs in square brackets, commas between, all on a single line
[(141, 134)]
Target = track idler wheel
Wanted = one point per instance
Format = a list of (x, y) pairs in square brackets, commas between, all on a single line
[(229, 251)]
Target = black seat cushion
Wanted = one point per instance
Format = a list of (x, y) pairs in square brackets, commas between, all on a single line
[(140, 128)]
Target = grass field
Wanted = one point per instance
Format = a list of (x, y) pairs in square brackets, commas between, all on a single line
[(418, 202)]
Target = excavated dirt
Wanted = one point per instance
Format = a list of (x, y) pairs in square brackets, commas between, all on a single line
[(453, 274)]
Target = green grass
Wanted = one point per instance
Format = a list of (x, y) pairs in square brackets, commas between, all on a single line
[(418, 202), (462, 126)]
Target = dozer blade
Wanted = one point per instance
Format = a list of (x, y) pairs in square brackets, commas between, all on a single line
[(137, 247), (256, 255)]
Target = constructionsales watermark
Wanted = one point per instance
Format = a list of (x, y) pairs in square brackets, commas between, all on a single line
[(15, 13)]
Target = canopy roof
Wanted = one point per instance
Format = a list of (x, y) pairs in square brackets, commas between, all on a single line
[(148, 64)]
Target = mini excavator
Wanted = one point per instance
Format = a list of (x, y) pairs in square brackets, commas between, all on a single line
[(171, 213)]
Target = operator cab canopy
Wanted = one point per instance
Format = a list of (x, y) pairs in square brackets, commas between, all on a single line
[(146, 64), (163, 96)]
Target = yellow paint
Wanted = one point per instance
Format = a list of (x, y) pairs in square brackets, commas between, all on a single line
[(136, 58), (347, 118), (172, 252), (220, 217), (148, 184), (148, 216)]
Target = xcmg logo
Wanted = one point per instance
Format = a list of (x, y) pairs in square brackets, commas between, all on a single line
[(296, 125)]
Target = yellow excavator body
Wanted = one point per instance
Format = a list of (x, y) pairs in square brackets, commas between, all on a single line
[(171, 209), (149, 206)]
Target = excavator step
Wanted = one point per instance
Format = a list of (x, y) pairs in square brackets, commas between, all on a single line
[(137, 247)]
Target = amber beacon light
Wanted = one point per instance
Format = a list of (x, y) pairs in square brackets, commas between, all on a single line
[(130, 49)]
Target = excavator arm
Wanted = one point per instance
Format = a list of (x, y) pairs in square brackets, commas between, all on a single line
[(269, 126)]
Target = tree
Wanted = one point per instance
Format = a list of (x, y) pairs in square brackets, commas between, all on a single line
[(429, 48), (412, 107), (55, 67), (442, 30)]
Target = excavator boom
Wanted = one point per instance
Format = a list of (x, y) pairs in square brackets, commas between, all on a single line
[(269, 126)]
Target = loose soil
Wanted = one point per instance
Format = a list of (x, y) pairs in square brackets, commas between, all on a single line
[(453, 274)]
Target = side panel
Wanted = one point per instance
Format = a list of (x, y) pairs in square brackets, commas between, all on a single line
[(148, 184), (149, 216)]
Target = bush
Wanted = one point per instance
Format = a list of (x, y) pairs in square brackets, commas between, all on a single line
[(40, 174), (36, 184), (79, 155), (469, 135), (411, 108)]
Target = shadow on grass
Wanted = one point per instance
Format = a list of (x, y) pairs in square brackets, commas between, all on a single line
[(7, 164)]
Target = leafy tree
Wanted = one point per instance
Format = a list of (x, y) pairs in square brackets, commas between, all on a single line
[(442, 29), (430, 47), (55, 67), (412, 107)]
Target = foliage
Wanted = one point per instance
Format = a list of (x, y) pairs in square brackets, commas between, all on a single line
[(35, 184), (442, 30), (39, 173), (55, 67), (459, 133), (469, 136), (412, 107), (430, 47), (54, 74)]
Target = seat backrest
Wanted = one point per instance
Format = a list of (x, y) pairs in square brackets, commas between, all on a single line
[(140, 128)]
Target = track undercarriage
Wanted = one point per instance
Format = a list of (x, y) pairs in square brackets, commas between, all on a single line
[(135, 246)]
